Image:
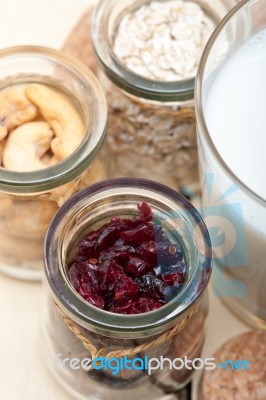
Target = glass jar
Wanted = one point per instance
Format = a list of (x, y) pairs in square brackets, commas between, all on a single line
[(151, 130), (69, 322), (29, 200), (228, 202)]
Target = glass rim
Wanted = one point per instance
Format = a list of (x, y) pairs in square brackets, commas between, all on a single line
[(131, 325), (201, 122), (128, 80), (74, 165)]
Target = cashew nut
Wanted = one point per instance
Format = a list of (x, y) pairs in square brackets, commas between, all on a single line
[(26, 145), (15, 109), (62, 117), (49, 160)]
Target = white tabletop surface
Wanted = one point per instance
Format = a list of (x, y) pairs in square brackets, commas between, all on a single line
[(22, 373)]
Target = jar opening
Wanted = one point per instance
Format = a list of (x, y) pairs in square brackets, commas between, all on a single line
[(26, 65), (104, 23), (108, 198)]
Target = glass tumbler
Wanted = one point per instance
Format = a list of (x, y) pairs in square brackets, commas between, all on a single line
[(229, 205), (69, 323), (30, 199)]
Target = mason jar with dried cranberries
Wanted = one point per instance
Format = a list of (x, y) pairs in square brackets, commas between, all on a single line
[(106, 251)]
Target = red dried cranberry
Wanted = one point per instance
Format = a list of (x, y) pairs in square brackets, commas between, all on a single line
[(136, 237), (120, 307), (134, 306), (125, 287), (136, 267), (120, 253), (128, 266), (107, 238), (83, 272), (148, 253), (74, 277), (172, 279), (145, 214), (87, 292), (144, 304), (87, 248), (108, 274), (114, 272)]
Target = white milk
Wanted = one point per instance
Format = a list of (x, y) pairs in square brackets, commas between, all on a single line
[(235, 113)]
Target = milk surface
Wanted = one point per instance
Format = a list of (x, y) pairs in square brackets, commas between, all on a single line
[(235, 113)]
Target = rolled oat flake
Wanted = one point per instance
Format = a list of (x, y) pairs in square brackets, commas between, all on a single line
[(163, 40)]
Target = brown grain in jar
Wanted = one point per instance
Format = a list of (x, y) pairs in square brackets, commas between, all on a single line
[(148, 52)]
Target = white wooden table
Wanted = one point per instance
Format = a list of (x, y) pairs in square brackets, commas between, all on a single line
[(22, 373)]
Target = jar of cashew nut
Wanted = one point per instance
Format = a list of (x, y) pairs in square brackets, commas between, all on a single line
[(149, 53), (53, 119)]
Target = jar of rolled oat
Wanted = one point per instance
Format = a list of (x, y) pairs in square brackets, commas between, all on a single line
[(53, 118), (149, 52), (127, 263)]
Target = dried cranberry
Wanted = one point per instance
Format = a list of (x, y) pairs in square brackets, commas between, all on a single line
[(144, 304), (178, 268), (148, 253), (168, 253), (87, 292), (128, 266), (134, 306), (83, 272), (136, 267), (87, 248), (74, 277), (107, 238), (125, 287), (108, 274), (120, 253), (136, 237), (114, 272), (170, 292), (145, 212), (120, 307), (151, 286), (172, 279)]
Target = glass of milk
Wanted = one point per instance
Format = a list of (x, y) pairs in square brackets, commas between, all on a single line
[(231, 124)]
